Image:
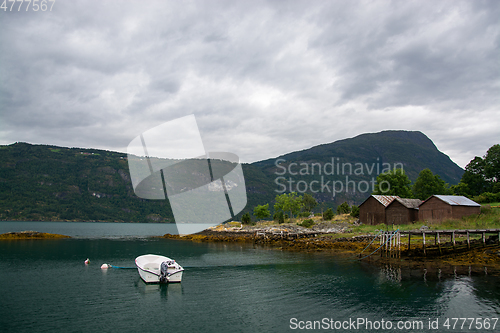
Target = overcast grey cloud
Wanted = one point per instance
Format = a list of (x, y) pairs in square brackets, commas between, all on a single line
[(263, 78)]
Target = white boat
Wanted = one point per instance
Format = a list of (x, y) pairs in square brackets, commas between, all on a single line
[(158, 269)]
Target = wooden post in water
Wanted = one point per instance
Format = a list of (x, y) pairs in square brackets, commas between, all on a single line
[(438, 241), (453, 237), (382, 240), (409, 240), (394, 243), (468, 240), (484, 238), (389, 249), (399, 244), (387, 244), (423, 241), (391, 239)]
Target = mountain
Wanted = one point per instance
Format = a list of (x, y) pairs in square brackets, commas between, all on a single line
[(41, 182), (352, 165)]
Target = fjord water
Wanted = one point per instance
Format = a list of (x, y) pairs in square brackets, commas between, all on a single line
[(45, 287)]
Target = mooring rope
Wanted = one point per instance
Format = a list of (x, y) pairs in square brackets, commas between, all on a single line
[(112, 266), (371, 242)]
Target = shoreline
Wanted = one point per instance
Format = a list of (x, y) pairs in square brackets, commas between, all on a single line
[(30, 234), (477, 260)]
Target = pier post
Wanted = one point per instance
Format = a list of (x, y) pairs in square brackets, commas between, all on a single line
[(399, 244), (453, 237), (387, 244), (382, 243), (409, 240), (390, 246), (484, 238), (438, 242), (468, 240), (423, 241)]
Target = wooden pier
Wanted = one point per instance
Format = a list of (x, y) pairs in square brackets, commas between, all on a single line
[(391, 241)]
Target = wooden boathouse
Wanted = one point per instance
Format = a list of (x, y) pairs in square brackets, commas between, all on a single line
[(402, 211), (372, 210), (441, 207)]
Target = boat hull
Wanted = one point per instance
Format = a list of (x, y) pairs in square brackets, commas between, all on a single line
[(149, 267)]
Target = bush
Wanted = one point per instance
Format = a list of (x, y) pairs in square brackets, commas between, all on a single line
[(487, 197), (304, 214), (279, 216), (261, 211), (354, 211), (328, 214), (306, 223), (343, 208), (245, 219)]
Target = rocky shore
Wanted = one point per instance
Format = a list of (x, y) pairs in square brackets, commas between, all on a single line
[(336, 238), (29, 234)]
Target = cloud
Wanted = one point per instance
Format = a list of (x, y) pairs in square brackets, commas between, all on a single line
[(263, 78)]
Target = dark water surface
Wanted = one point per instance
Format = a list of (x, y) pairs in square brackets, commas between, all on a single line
[(45, 287)]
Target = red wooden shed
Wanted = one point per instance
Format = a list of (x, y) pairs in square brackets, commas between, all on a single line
[(402, 211), (441, 207), (372, 210)]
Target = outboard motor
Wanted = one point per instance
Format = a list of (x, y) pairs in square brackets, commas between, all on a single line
[(163, 272)]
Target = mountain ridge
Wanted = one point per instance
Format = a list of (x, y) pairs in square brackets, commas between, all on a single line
[(412, 150), (46, 182)]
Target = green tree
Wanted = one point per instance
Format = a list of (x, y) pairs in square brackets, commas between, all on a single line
[(246, 219), (261, 211), (343, 208), (328, 214), (481, 174), (288, 203), (309, 202), (393, 182), (460, 189), (474, 177), (279, 216), (428, 184), (354, 211), (492, 164)]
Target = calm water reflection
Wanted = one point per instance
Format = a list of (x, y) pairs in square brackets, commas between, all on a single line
[(46, 287)]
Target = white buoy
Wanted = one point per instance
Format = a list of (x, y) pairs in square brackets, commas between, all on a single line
[(105, 266), (87, 261)]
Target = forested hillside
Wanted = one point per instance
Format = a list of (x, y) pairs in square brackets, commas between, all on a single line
[(48, 183)]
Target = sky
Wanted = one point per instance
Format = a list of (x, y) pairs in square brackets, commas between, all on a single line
[(263, 78)]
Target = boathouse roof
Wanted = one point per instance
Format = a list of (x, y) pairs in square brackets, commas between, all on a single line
[(385, 199), (455, 200), (409, 203)]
